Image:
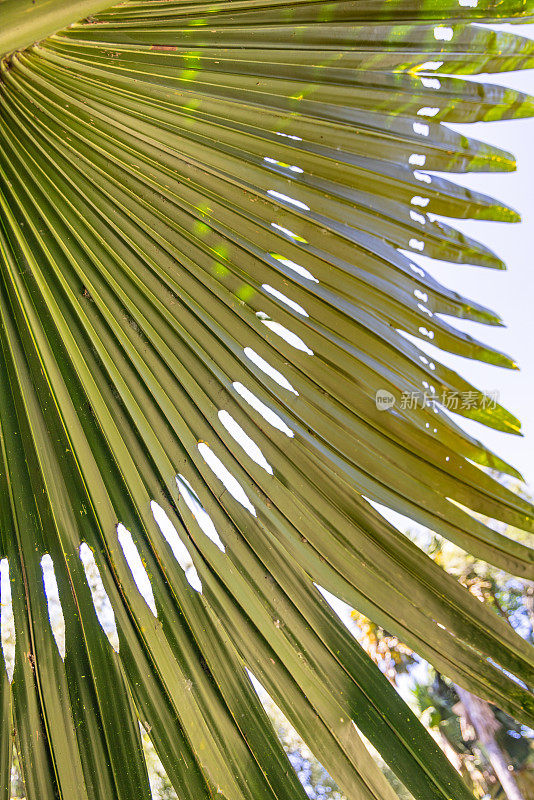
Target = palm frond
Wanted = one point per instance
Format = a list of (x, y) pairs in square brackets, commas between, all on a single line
[(208, 215)]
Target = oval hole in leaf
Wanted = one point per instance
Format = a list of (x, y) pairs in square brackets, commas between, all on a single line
[(284, 299), (302, 271), (137, 568), (285, 198), (55, 612), (285, 334), (103, 608), (225, 476), (267, 413), (269, 370), (7, 621), (243, 439), (194, 505), (291, 234), (180, 551)]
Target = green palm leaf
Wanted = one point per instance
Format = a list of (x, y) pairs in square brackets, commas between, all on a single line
[(207, 212)]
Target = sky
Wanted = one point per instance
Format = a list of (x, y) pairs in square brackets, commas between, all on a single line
[(510, 293)]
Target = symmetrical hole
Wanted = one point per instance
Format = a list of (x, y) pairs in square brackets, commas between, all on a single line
[(421, 128), (286, 199), (429, 65), (443, 33), (268, 369), (137, 568), (243, 439), (179, 550), (289, 136), (55, 612), (302, 271), (194, 505), (288, 232), (428, 111), (417, 244), (225, 476), (284, 299), (417, 160), (420, 201), (101, 601), (290, 167), (7, 622), (431, 83), (284, 333), (416, 217), (268, 414)]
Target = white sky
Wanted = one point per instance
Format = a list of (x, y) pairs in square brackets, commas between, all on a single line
[(509, 293)]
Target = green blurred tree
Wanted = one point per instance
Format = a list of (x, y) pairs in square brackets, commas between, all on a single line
[(493, 752)]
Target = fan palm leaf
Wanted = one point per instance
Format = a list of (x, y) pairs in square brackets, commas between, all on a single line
[(208, 218)]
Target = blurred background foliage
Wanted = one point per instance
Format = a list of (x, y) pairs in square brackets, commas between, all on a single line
[(437, 700), (433, 697)]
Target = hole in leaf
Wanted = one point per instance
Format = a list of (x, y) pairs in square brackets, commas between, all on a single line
[(179, 550), (425, 310), (443, 33), (417, 217), (285, 334), (225, 476), (289, 136), (282, 297), (428, 111), (425, 332), (269, 416), (249, 445), (268, 369), (428, 65), (160, 785), (295, 267), (289, 233), (55, 612), (194, 505), (417, 159), (101, 601), (287, 199), (7, 621), (431, 83), (290, 167), (417, 244), (137, 568), (421, 128), (422, 176)]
